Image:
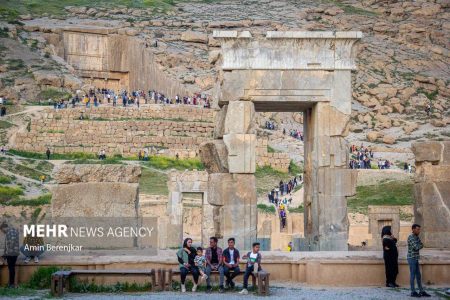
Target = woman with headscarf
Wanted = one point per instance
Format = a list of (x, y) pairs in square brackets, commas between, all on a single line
[(186, 256), (390, 255)]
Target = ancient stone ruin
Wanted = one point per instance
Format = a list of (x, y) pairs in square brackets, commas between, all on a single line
[(286, 71), (432, 192)]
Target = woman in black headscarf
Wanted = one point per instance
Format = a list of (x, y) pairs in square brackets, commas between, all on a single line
[(390, 255), (186, 256)]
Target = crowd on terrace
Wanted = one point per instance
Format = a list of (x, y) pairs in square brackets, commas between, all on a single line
[(97, 97)]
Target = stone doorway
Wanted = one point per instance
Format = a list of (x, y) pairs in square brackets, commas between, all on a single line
[(307, 72), (193, 216)]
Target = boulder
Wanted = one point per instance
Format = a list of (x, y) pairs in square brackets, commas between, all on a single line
[(438, 123), (44, 77), (214, 156), (388, 139), (372, 136), (194, 37)]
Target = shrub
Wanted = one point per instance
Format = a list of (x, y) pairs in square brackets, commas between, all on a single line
[(268, 209), (54, 94), (164, 163), (5, 179), (41, 278), (8, 193), (41, 200)]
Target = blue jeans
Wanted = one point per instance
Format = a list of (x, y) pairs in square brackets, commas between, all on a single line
[(226, 272), (208, 273), (414, 272)]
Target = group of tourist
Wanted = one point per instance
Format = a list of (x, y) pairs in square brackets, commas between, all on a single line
[(295, 133), (284, 188), (201, 262), (390, 256), (270, 125), (96, 97), (361, 158), (198, 261)]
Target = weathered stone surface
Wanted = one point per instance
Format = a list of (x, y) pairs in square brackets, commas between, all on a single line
[(380, 216), (431, 192), (239, 117), (429, 151), (95, 199), (372, 136), (67, 173), (237, 194), (214, 156), (219, 129), (47, 78), (194, 37), (241, 152)]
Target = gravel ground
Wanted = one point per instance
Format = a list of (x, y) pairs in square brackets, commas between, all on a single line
[(286, 292)]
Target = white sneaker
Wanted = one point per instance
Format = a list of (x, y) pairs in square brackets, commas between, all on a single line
[(183, 288), (36, 259), (194, 288), (27, 259), (243, 292)]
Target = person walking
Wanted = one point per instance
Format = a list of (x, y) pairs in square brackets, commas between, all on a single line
[(186, 256), (413, 256), (11, 250), (390, 256)]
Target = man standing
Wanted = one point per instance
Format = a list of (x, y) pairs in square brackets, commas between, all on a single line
[(11, 250), (414, 246), (48, 153), (231, 263), (213, 262)]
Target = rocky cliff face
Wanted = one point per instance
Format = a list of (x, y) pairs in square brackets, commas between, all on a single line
[(402, 63)]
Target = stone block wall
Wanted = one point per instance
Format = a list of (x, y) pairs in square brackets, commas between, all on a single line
[(175, 130), (278, 160), (432, 192)]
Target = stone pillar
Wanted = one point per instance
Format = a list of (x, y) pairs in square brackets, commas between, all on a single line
[(327, 180), (230, 160), (432, 192)]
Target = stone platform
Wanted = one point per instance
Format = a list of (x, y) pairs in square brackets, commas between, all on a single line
[(337, 268)]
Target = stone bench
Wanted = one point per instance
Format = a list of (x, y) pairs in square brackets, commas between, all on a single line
[(262, 277), (60, 279)]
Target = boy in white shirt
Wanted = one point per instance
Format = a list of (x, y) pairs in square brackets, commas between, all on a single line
[(253, 265)]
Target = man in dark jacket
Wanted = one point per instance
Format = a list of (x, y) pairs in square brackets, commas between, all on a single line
[(11, 250), (230, 259), (213, 262)]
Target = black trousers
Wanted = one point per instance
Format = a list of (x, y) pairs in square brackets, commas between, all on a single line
[(184, 271), (391, 268), (11, 260)]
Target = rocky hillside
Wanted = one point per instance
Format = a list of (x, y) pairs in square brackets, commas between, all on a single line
[(403, 61)]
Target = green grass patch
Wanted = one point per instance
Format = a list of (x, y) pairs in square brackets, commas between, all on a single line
[(5, 179), (295, 169), (267, 178), (267, 209), (153, 183), (41, 278), (107, 161), (5, 124), (22, 170), (39, 201), (54, 94), (20, 291), (90, 287), (352, 10), (386, 193), (56, 7), (270, 149), (56, 156), (8, 193), (15, 64), (299, 209), (430, 95), (166, 163)]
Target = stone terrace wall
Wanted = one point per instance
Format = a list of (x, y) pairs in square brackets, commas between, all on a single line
[(171, 129), (175, 129), (279, 160), (432, 192)]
